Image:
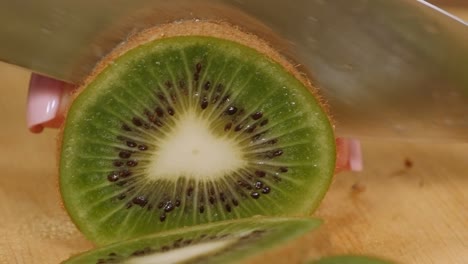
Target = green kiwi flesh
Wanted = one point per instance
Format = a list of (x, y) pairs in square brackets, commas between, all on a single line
[(349, 259), (189, 130), (222, 242)]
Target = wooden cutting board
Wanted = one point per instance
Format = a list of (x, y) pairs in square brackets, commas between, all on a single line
[(410, 203)]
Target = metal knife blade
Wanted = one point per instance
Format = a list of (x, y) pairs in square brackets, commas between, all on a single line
[(387, 68)]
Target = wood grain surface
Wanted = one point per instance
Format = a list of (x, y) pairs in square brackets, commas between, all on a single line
[(410, 204)]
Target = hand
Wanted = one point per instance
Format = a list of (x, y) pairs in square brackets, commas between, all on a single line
[(48, 101)]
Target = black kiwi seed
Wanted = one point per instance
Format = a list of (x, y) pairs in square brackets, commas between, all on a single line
[(201, 209), (173, 97), (272, 141), (138, 253), (258, 185), (257, 115), (113, 177), (176, 245), (132, 163), (264, 122), (238, 127), (169, 207), (255, 195), (235, 202), (225, 99), (198, 67), (137, 121), (162, 97), (215, 98), (131, 144), (196, 75), (159, 112), (227, 127), (207, 85), (162, 217), (165, 248), (140, 200), (274, 153), (142, 147), (125, 173), (125, 154), (189, 191), (228, 208), (266, 190), (126, 128), (251, 128), (231, 110), (204, 103), (212, 200), (260, 173), (118, 163), (277, 153), (170, 111), (283, 169)]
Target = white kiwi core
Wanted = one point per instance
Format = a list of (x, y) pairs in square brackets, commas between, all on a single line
[(192, 150), (182, 254)]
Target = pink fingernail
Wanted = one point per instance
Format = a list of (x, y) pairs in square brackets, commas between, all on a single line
[(43, 101), (355, 155)]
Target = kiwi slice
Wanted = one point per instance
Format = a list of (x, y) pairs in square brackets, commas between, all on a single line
[(350, 259), (222, 242), (188, 130)]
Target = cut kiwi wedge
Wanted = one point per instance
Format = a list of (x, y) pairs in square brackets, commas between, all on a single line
[(222, 242), (188, 130)]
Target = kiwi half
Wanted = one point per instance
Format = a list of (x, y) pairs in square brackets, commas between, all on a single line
[(222, 242), (188, 130)]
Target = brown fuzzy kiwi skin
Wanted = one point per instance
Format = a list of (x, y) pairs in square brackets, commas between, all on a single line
[(217, 29)]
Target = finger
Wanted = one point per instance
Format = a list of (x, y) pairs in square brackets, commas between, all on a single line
[(349, 155), (47, 102)]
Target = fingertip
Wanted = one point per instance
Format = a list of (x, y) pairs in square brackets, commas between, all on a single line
[(45, 103), (355, 155), (349, 155)]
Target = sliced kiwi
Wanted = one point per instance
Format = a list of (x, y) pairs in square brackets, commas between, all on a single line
[(188, 130), (350, 259), (221, 242)]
